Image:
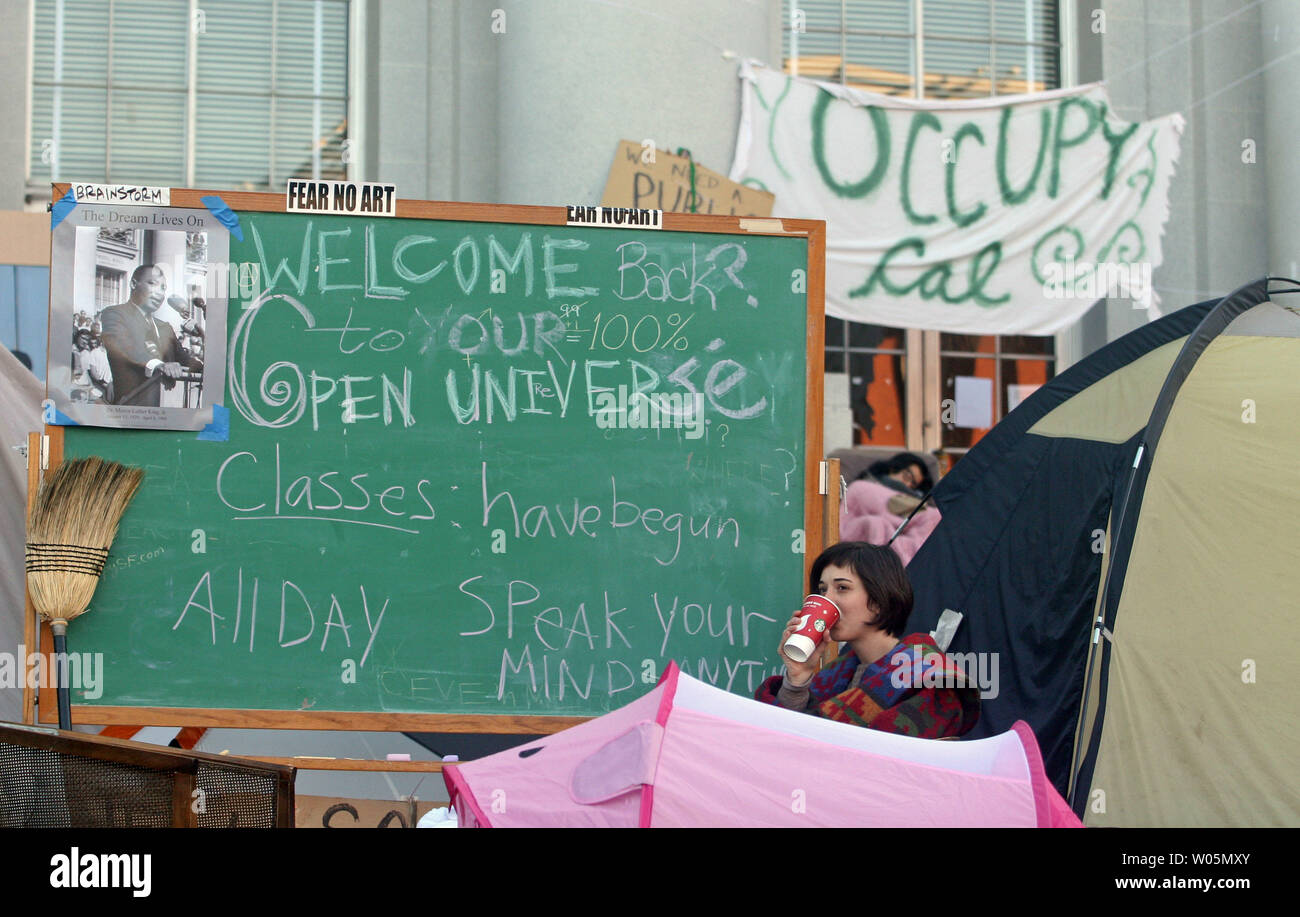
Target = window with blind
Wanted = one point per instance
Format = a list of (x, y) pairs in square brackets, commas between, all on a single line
[(933, 49), (966, 48), (224, 93)]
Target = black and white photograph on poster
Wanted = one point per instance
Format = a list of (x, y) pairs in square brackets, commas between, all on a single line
[(137, 332)]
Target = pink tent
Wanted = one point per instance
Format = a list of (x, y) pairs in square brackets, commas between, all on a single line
[(692, 755)]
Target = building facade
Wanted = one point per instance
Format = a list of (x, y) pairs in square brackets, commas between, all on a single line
[(524, 102)]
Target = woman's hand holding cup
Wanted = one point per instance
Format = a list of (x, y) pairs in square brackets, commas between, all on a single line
[(813, 623), (799, 673)]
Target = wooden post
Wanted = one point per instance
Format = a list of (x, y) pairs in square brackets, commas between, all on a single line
[(30, 634), (831, 533), (183, 799)]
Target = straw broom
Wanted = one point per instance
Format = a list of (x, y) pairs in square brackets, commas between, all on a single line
[(69, 530)]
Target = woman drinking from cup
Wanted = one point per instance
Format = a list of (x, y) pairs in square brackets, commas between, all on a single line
[(884, 681)]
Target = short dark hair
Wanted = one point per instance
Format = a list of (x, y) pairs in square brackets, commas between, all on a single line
[(882, 574), (897, 463), (135, 275)]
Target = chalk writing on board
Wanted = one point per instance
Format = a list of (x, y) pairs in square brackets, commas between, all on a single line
[(297, 620), (538, 380), (411, 261), (549, 630), (640, 276), (446, 479), (775, 472), (668, 525), (327, 496), (473, 394)]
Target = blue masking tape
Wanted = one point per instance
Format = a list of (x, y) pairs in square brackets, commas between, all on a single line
[(62, 207), (225, 216), (219, 430), (63, 420)]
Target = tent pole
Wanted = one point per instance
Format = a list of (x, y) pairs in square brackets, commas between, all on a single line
[(902, 525), (1097, 627)]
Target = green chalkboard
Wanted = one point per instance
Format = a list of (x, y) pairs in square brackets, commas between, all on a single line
[(438, 494)]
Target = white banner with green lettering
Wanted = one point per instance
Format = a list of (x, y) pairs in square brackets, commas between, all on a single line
[(1008, 215)]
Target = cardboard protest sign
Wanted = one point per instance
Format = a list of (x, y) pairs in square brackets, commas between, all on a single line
[(642, 176), (333, 812)]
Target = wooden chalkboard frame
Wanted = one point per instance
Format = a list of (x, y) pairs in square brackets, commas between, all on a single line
[(537, 724)]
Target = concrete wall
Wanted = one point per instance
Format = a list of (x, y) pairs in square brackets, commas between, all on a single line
[(655, 72), (1201, 58), (1280, 25), (13, 102), (524, 102), (431, 97)]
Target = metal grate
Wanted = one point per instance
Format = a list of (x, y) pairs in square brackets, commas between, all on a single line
[(235, 799), (52, 779), (40, 788)]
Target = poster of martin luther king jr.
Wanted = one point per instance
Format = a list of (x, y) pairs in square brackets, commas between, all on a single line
[(161, 326)]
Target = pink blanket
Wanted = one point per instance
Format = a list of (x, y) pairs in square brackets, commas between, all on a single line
[(866, 517)]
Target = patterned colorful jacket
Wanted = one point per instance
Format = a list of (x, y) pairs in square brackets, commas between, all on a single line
[(913, 690)]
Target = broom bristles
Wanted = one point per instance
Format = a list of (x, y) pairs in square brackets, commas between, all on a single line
[(70, 529)]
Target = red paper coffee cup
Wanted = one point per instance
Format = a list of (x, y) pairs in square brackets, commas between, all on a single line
[(819, 616)]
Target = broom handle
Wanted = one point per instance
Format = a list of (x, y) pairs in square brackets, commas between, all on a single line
[(60, 631)]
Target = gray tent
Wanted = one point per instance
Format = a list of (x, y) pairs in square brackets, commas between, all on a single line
[(20, 414)]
